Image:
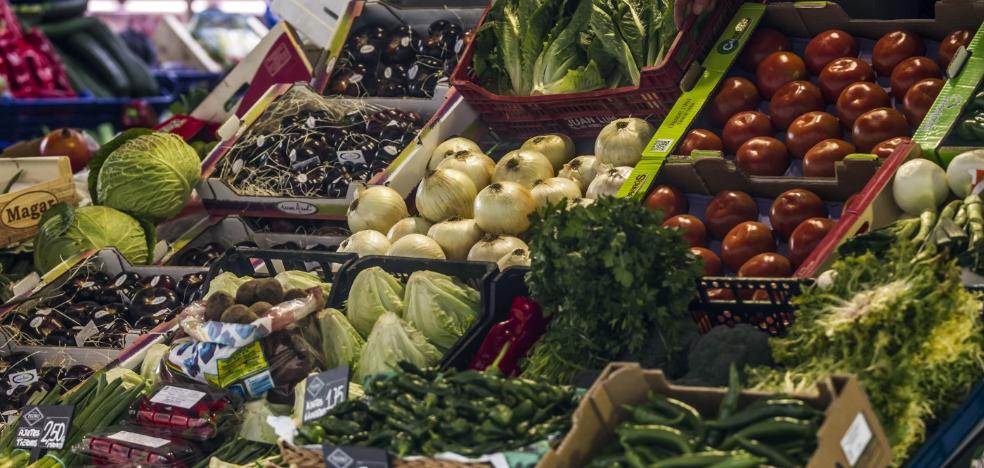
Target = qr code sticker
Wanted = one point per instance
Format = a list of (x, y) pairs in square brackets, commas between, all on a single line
[(662, 145)]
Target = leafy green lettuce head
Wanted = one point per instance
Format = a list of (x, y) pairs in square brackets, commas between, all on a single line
[(392, 340), (303, 280), (150, 176), (340, 343), (64, 232), (374, 292), (226, 282), (440, 307)]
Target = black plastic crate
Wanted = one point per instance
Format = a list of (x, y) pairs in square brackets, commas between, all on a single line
[(475, 274), (250, 261), (773, 314)]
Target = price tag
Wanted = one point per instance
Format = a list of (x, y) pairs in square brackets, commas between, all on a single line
[(341, 456), (352, 156), (177, 396), (856, 439), (323, 391), (88, 331), (43, 428)]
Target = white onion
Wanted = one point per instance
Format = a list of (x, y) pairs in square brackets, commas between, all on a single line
[(582, 169), (553, 190), (491, 248), (518, 257), (445, 193), (456, 237), (366, 242), (579, 202), (607, 182), (448, 148), (522, 167), (477, 166), (556, 147), (416, 245), (377, 207), (622, 141), (504, 208), (959, 173), (919, 185), (412, 225)]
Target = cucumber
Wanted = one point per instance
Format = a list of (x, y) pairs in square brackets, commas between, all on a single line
[(142, 82), (101, 62), (60, 31), (57, 10), (79, 75)]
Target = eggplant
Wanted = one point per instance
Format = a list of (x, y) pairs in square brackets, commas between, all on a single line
[(75, 375), (153, 301), (87, 287), (17, 320), (125, 279), (366, 43), (401, 46), (17, 363), (158, 281), (350, 82), (81, 312), (41, 326), (61, 337), (189, 286), (105, 315), (51, 375)]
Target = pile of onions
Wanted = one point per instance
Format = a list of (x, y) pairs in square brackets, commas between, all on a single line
[(413, 225), (416, 245), (518, 257), (456, 237), (378, 208), (522, 167), (449, 148), (504, 208), (553, 190), (582, 169), (622, 141), (557, 148), (367, 242), (607, 182), (492, 248), (445, 193), (477, 166)]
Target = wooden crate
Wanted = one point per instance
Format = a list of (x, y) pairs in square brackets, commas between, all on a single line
[(43, 182)]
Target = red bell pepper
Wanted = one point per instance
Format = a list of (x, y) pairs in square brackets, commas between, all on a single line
[(525, 325)]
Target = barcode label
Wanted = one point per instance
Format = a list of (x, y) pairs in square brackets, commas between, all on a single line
[(662, 145)]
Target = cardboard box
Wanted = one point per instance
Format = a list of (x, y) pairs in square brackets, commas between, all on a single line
[(220, 198), (935, 134), (278, 58), (323, 23), (42, 182), (391, 16), (850, 424), (176, 45)]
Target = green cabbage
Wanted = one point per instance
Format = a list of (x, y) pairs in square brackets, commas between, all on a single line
[(150, 176), (226, 282), (374, 292), (64, 232), (440, 307), (340, 343), (392, 340), (296, 279)]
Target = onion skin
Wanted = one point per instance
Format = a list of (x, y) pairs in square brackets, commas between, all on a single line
[(558, 148), (445, 193), (622, 141), (391, 205), (456, 237), (366, 242), (448, 148), (477, 166), (412, 225), (416, 246), (553, 190), (523, 167), (504, 208), (493, 248)]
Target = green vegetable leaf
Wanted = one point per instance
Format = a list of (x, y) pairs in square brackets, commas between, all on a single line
[(604, 23), (99, 157), (560, 67)]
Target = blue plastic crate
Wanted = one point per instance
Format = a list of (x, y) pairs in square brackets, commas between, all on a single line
[(948, 438), (182, 81)]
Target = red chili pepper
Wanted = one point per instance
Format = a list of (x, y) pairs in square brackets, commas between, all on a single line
[(521, 330)]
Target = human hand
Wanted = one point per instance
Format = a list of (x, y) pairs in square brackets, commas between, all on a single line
[(684, 9)]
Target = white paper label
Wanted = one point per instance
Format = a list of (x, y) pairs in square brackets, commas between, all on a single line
[(405, 42), (856, 439), (412, 72), (120, 281), (355, 78), (88, 331), (177, 396), (139, 439), (352, 156), (367, 49)]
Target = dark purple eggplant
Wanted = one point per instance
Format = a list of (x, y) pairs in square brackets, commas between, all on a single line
[(51, 375), (189, 286), (125, 279), (41, 326), (80, 313), (401, 46), (366, 43), (17, 319), (104, 315), (153, 301), (60, 337), (158, 281), (75, 375), (87, 287)]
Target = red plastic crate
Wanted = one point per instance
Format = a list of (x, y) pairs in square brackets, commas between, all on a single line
[(582, 115)]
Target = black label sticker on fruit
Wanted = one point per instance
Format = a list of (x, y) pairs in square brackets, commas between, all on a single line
[(342, 456), (351, 156), (43, 427), (88, 331), (324, 391)]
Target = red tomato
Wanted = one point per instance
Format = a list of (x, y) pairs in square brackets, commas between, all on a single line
[(700, 139), (827, 46), (809, 129), (841, 72), (744, 126), (766, 265), (858, 98), (763, 156), (887, 147), (667, 199), (878, 125), (712, 264), (821, 160), (67, 142), (736, 95), (745, 241), (791, 208), (693, 229), (806, 237), (792, 100), (893, 48), (919, 98), (726, 210), (778, 69), (910, 71), (951, 43), (764, 41)]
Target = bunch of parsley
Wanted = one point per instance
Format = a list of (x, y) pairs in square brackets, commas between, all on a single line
[(609, 277)]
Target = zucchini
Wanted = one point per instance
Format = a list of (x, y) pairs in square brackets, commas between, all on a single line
[(57, 10), (142, 82), (60, 31), (80, 77), (102, 62)]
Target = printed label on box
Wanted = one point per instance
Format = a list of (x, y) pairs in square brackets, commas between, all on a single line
[(139, 439), (177, 396), (856, 439)]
